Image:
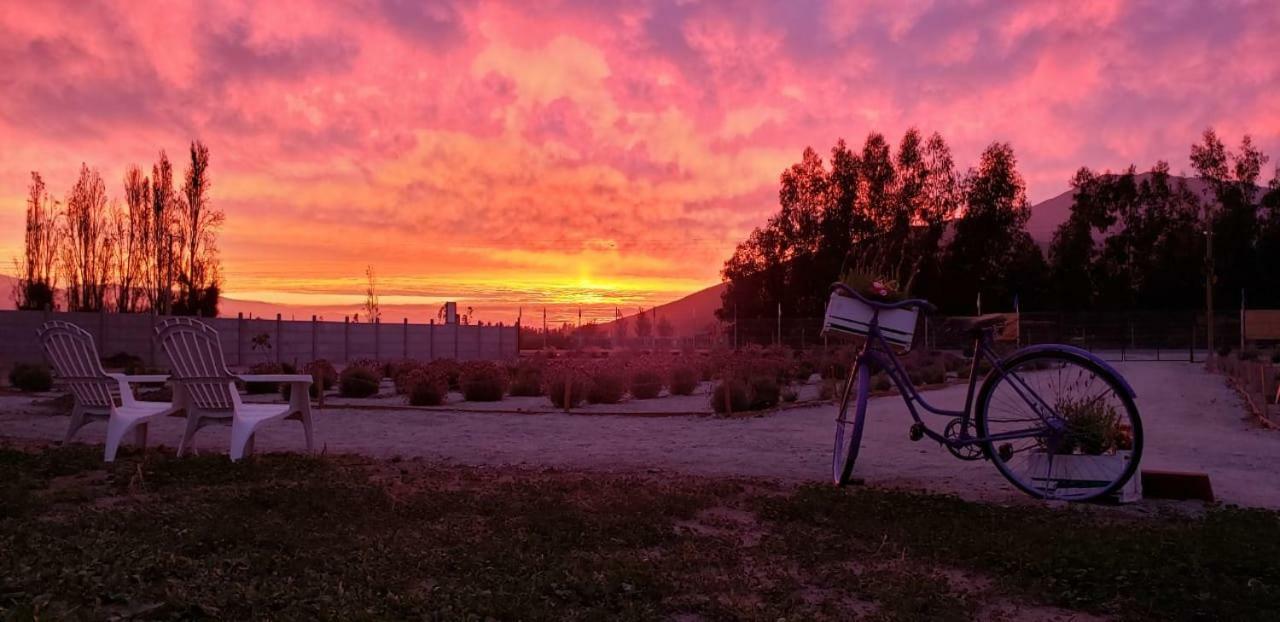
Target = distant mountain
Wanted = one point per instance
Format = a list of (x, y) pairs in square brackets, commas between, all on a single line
[(689, 315), (1047, 215), (7, 283)]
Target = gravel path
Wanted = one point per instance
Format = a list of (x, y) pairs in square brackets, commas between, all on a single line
[(1193, 422)]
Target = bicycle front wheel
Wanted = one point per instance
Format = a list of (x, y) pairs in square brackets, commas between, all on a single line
[(849, 420), (1059, 426)]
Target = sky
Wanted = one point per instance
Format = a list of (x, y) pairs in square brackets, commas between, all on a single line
[(584, 154)]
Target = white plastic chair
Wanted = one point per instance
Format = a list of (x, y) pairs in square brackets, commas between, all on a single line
[(98, 395), (205, 388)]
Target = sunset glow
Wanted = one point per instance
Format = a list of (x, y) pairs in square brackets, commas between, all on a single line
[(583, 154)]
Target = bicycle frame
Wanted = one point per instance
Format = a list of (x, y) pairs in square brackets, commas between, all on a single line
[(876, 350)]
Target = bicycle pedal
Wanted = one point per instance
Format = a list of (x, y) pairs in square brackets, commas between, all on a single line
[(917, 432)]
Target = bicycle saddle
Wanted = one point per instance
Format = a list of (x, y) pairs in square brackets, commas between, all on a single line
[(975, 325)]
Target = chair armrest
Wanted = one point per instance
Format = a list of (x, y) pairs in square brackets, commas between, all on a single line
[(126, 392), (146, 379), (290, 378)]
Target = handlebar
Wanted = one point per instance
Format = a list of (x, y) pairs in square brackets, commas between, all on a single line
[(918, 303)]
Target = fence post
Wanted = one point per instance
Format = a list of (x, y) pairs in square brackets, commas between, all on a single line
[(377, 340), (431, 340), (102, 329), (240, 338), (479, 342), (315, 351), (151, 339), (346, 339), (1264, 372), (279, 341), (1191, 345), (500, 352), (406, 337)]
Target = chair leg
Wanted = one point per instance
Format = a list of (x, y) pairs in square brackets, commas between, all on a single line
[(306, 429), (77, 422), (241, 440), (116, 429), (193, 424), (140, 437)]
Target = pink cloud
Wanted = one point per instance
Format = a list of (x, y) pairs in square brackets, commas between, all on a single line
[(633, 144)]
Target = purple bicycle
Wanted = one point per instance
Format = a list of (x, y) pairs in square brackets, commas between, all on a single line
[(1058, 422)]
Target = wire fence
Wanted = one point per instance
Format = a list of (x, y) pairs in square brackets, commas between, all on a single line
[(1125, 336)]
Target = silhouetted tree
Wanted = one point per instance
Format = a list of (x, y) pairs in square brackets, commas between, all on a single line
[(37, 275), (87, 251), (665, 328), (644, 327), (1232, 213), (198, 282), (991, 251), (130, 228), (371, 307), (161, 265)]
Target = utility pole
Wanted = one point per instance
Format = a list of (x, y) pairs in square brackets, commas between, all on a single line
[(735, 327), (1209, 278)]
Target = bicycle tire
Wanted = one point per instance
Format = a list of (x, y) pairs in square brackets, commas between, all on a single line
[(1123, 403), (848, 437)]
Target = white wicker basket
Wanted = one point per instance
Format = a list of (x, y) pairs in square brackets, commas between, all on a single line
[(1067, 470), (852, 316)]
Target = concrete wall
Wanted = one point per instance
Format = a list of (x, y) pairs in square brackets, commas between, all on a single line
[(291, 341)]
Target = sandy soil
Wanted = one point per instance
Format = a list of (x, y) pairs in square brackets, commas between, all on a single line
[(1193, 422)]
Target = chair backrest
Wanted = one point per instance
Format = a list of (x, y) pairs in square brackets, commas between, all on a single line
[(195, 356), (70, 350)]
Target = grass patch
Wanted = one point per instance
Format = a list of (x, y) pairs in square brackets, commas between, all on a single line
[(292, 537)]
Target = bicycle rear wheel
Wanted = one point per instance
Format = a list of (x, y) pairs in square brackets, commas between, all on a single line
[(849, 424), (1061, 426)]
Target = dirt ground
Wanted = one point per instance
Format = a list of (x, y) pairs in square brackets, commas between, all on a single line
[(1192, 420)]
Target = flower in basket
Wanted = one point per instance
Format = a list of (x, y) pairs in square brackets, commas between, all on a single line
[(872, 285)]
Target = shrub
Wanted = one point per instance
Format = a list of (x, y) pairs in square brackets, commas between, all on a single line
[(426, 387), (323, 371), (881, 382), (828, 390), (934, 374), (835, 369), (577, 390), (790, 394), (739, 396), (684, 380), (527, 381), (262, 388), (1275, 356), (954, 363), (452, 372), (1224, 350), (323, 377), (765, 392), (646, 384), (401, 370), (358, 381), (123, 360), (374, 367), (803, 370), (1094, 427), (482, 381), (607, 387), (1248, 354), (31, 377)]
